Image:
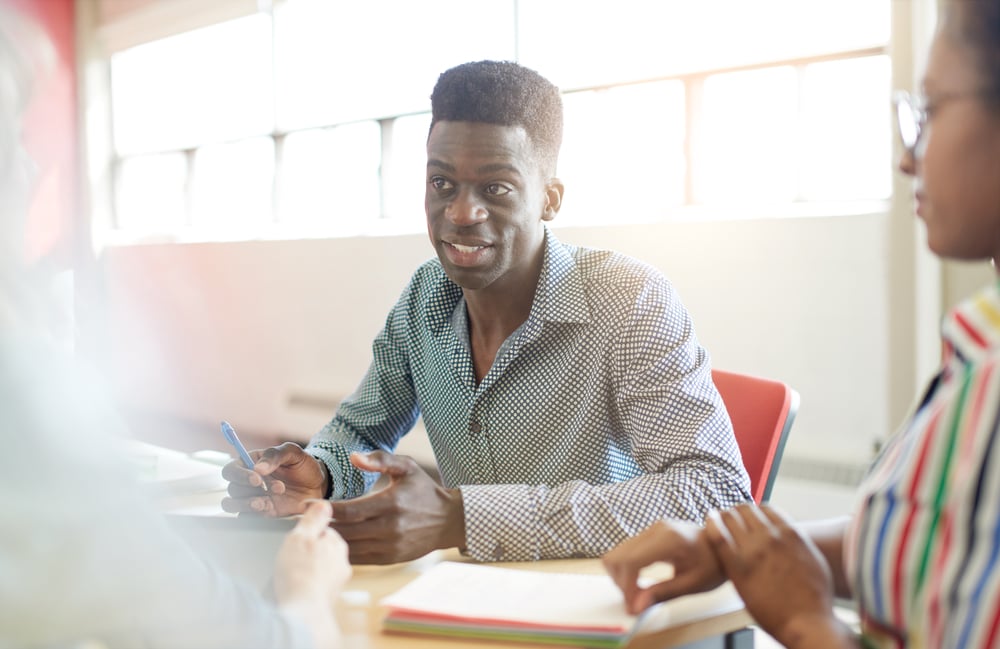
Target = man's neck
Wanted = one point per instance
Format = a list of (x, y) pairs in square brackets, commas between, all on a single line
[(492, 318)]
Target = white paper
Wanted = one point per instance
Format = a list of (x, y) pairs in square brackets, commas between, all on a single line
[(557, 599), (690, 608), (525, 596), (173, 472)]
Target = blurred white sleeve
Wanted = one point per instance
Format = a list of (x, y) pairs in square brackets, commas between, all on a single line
[(84, 555)]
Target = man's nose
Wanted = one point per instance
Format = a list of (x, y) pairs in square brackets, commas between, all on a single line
[(466, 209)]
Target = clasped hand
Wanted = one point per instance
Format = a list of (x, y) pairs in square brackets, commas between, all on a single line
[(409, 517), (781, 576)]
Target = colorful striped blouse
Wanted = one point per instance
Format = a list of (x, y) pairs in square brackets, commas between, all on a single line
[(923, 553)]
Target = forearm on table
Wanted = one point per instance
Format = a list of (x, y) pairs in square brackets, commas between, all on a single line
[(696, 447), (812, 633), (575, 519), (828, 536)]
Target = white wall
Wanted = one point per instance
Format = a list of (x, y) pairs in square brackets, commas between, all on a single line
[(201, 332)]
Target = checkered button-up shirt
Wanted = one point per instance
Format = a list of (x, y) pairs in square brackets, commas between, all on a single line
[(597, 418)]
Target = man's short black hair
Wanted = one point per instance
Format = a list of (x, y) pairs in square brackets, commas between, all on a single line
[(505, 93)]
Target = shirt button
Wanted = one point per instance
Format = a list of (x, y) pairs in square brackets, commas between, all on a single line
[(475, 428), (498, 552)]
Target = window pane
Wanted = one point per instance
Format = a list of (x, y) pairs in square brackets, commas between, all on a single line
[(150, 193), (406, 175), (343, 61), (210, 84), (815, 132), (330, 179), (640, 39), (745, 146), (623, 149), (844, 112), (232, 186)]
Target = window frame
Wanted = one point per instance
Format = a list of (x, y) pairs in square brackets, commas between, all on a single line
[(692, 84)]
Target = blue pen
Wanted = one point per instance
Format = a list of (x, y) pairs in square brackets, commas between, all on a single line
[(231, 437)]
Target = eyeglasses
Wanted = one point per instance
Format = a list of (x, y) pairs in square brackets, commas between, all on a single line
[(911, 116), (913, 111)]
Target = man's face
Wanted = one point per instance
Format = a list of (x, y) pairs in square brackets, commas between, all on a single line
[(486, 199)]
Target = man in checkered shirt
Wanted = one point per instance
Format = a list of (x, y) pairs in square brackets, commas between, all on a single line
[(564, 392)]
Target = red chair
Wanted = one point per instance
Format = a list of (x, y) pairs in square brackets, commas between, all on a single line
[(762, 411)]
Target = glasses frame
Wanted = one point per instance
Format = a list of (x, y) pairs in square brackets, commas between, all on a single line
[(911, 117), (912, 111)]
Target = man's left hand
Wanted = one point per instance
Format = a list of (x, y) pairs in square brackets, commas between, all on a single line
[(411, 516)]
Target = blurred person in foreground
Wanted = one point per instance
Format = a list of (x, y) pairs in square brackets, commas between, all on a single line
[(921, 555), (83, 556)]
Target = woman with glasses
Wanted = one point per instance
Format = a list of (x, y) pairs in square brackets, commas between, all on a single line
[(921, 555)]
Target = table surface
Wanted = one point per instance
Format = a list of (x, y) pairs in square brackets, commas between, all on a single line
[(360, 614)]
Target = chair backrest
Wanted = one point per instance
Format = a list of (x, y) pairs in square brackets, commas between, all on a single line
[(762, 411)]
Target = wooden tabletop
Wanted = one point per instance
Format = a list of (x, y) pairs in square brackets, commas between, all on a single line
[(359, 612)]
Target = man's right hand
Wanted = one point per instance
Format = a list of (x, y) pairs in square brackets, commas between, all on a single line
[(292, 476)]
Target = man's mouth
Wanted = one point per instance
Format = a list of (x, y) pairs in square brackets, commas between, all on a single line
[(466, 254), (465, 249)]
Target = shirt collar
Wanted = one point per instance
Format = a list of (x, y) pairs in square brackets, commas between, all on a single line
[(972, 329), (561, 295)]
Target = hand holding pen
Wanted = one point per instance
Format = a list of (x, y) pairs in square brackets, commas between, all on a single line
[(231, 437), (292, 477)]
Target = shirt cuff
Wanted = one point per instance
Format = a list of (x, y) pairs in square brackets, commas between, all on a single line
[(345, 481), (501, 522)]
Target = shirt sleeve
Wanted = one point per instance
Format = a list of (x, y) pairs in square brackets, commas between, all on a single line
[(680, 436), (380, 411)]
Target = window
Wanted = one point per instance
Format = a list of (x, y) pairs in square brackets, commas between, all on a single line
[(233, 185), (623, 152), (207, 85), (344, 61), (310, 118), (329, 178), (151, 194), (745, 144), (842, 114)]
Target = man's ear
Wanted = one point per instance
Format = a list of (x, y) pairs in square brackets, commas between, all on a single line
[(553, 199)]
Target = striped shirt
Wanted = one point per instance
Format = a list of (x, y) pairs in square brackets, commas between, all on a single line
[(924, 552), (597, 418)]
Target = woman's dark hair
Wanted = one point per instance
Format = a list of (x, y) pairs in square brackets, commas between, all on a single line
[(505, 93), (975, 24)]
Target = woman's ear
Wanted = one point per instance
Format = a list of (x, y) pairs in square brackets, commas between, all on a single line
[(553, 199)]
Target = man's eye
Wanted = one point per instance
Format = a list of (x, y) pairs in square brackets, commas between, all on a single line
[(440, 184), (497, 189)]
